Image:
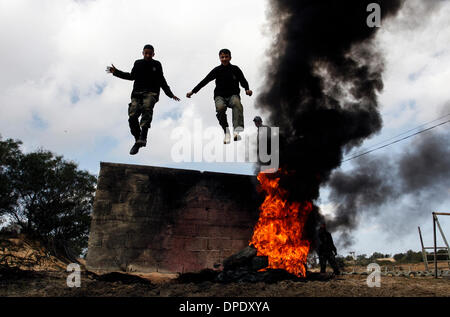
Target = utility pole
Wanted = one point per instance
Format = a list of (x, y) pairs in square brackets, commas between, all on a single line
[(435, 246)]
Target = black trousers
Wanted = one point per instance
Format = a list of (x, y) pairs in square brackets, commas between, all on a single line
[(328, 257)]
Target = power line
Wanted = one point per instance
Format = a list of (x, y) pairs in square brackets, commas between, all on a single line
[(394, 137), (407, 137)]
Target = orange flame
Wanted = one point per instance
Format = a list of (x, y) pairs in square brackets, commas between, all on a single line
[(279, 231)]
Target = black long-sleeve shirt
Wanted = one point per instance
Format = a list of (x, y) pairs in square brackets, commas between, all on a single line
[(148, 77), (227, 81), (326, 242)]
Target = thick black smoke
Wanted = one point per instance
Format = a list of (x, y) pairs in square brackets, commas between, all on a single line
[(418, 179), (321, 85)]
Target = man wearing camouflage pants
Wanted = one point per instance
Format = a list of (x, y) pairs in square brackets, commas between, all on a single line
[(227, 93), (148, 78)]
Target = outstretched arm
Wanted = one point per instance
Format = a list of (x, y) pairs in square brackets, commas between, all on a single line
[(165, 87), (211, 76), (118, 73), (243, 82)]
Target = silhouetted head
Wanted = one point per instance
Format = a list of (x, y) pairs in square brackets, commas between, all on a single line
[(258, 121), (148, 52), (225, 56)]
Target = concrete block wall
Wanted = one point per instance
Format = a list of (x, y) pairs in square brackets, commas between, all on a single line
[(153, 219)]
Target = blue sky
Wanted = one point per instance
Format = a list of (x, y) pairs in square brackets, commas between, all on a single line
[(55, 93)]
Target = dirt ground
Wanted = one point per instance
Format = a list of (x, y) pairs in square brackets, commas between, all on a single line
[(43, 284), (44, 276)]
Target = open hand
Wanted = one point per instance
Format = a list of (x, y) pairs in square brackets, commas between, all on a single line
[(189, 94), (249, 92), (111, 69)]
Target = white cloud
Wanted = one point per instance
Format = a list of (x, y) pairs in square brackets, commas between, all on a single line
[(416, 87), (54, 52), (418, 66), (57, 52)]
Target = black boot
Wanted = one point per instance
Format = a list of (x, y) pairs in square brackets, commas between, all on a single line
[(141, 141), (135, 129), (134, 149)]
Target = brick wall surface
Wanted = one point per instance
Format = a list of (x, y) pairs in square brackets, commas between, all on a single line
[(152, 219)]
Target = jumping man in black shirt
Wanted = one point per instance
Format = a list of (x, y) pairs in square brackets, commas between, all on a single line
[(226, 94), (148, 78)]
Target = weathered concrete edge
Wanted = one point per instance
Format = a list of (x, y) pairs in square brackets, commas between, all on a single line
[(148, 167)]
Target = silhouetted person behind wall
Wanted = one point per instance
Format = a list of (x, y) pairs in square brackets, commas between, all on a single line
[(327, 250), (264, 135)]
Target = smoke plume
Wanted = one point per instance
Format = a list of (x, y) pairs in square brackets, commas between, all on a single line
[(321, 85), (419, 179)]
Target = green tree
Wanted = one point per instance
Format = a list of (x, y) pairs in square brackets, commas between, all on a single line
[(46, 196), (409, 257), (349, 258), (398, 257), (362, 259), (9, 158), (376, 255)]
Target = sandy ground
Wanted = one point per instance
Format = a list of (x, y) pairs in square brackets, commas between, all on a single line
[(49, 278), (54, 284)]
